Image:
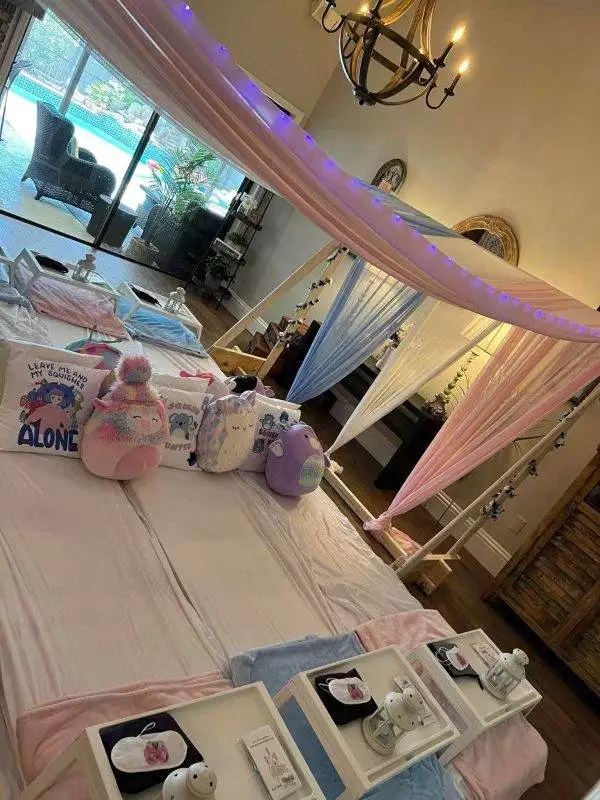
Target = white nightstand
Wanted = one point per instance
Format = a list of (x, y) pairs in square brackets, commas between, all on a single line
[(214, 724), (472, 709), (359, 766), (184, 315)]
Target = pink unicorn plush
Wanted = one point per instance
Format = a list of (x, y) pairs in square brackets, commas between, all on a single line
[(125, 436)]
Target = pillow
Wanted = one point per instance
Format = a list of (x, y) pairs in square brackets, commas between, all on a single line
[(161, 379), (149, 326), (184, 410), (226, 434), (73, 147), (295, 462), (272, 418), (216, 387), (4, 277), (46, 402), (11, 349)]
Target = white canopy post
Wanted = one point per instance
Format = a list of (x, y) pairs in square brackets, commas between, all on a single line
[(311, 299), (298, 275)]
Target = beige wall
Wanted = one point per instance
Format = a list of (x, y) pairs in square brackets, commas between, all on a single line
[(277, 41), (520, 139)]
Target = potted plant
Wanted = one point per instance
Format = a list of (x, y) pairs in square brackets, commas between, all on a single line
[(177, 183), (217, 270)]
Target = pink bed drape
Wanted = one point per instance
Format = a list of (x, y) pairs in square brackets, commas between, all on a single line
[(528, 377), (165, 51)]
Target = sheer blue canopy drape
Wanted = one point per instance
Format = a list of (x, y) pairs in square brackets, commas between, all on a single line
[(368, 309)]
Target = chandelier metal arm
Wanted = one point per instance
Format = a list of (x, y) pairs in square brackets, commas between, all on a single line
[(360, 34), (330, 4)]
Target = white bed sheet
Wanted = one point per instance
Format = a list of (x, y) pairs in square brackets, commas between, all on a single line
[(86, 602), (17, 322), (260, 568), (237, 582)]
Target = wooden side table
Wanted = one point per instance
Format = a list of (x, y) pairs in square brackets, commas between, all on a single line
[(472, 709), (359, 766), (214, 724)]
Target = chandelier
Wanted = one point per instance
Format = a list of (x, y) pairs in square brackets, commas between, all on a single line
[(368, 35)]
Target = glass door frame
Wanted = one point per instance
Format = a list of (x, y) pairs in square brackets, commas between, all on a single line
[(131, 167)]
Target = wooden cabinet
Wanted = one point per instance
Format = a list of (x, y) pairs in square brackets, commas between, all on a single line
[(553, 581)]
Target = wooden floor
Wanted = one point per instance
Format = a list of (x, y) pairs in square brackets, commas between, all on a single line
[(569, 716)]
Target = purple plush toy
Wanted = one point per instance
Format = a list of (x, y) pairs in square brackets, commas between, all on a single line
[(296, 462)]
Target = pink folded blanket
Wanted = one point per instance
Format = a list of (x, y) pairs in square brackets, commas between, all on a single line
[(502, 763), (74, 303), (45, 731)]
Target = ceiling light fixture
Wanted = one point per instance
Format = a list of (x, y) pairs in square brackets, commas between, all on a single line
[(362, 34)]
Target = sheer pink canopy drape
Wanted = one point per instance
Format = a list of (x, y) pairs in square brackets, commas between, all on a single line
[(528, 377), (165, 51)]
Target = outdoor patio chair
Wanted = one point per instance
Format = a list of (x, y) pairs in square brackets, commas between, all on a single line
[(57, 172), (180, 243)]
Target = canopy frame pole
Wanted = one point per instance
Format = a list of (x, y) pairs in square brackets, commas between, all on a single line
[(298, 275), (519, 470)]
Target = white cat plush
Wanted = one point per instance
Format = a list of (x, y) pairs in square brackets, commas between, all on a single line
[(226, 435)]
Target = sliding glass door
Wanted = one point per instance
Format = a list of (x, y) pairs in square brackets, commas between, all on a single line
[(83, 153)]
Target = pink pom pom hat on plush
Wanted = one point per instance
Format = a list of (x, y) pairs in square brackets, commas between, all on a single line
[(125, 436)]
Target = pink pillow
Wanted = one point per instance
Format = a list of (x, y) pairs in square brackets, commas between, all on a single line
[(76, 304)]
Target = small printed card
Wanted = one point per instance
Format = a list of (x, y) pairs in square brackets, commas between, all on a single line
[(272, 763), (427, 715), (486, 652)]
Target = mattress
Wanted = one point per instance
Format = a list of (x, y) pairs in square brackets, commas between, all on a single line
[(103, 584)]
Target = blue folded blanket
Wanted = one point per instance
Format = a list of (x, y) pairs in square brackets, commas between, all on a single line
[(147, 325), (277, 664)]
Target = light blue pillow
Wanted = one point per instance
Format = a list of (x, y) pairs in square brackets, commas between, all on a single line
[(149, 326)]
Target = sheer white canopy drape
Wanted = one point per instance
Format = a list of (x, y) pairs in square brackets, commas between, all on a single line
[(438, 335)]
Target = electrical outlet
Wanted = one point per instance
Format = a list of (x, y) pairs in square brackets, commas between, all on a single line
[(517, 525)]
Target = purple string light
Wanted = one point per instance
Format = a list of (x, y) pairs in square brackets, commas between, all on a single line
[(448, 262), (431, 248), (309, 139), (355, 183), (397, 219)]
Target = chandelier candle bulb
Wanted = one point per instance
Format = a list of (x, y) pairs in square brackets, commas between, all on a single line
[(458, 34), (456, 37), (462, 68)]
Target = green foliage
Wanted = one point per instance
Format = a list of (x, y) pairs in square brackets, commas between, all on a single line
[(217, 267), (181, 172), (51, 49), (111, 95)]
